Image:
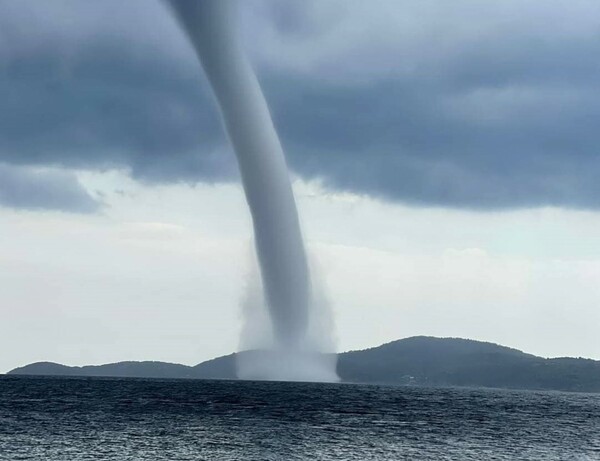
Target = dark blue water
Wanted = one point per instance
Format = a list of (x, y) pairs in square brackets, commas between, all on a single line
[(124, 419)]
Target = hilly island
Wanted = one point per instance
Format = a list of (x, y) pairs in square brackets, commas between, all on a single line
[(420, 360)]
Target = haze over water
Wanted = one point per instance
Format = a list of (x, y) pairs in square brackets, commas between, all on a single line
[(54, 419)]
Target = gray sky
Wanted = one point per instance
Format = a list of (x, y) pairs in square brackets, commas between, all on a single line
[(444, 157)]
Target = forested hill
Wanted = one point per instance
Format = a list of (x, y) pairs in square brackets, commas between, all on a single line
[(418, 360)]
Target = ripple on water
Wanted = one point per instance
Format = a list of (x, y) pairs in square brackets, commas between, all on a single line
[(131, 419)]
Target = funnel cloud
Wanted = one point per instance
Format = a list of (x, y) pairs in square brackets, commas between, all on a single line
[(286, 282)]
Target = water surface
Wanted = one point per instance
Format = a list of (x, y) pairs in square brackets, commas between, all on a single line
[(74, 419)]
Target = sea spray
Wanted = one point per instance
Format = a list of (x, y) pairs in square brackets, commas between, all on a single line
[(286, 283)]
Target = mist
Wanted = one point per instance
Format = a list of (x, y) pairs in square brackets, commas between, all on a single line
[(290, 351)]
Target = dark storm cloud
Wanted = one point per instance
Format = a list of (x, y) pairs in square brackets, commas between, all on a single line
[(32, 189), (109, 112), (479, 105), (78, 91), (397, 142)]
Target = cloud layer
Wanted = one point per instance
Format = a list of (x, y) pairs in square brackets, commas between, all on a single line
[(42, 188), (484, 105)]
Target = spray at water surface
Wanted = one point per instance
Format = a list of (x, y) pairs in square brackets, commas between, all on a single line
[(210, 26)]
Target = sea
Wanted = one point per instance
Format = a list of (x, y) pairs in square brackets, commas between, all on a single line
[(72, 419)]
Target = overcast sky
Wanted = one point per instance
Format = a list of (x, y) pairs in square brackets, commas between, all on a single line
[(444, 156)]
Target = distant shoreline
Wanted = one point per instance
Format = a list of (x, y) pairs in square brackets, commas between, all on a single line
[(415, 361)]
